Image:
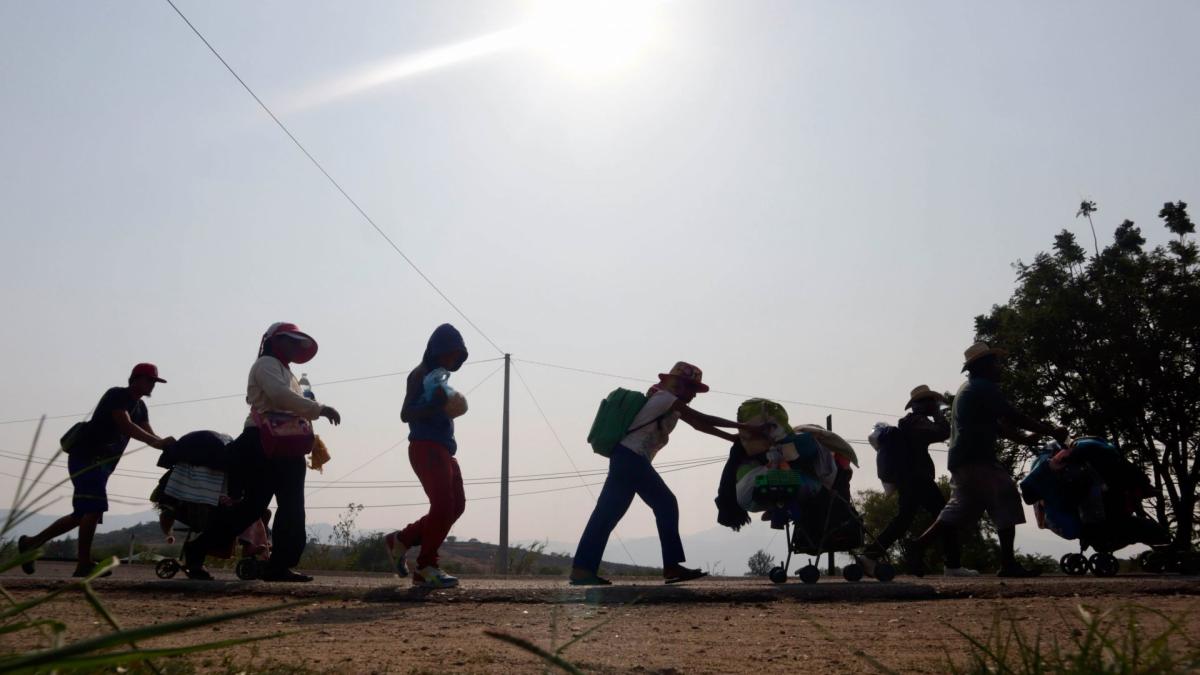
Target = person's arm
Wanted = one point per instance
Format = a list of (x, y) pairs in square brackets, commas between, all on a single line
[(1010, 417), (410, 411), (276, 383), (709, 424), (924, 431), (128, 428)]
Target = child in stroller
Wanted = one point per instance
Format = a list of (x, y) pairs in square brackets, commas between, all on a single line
[(799, 478), (192, 492), (1089, 492)]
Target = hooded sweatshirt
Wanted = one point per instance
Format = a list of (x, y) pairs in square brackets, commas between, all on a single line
[(439, 428)]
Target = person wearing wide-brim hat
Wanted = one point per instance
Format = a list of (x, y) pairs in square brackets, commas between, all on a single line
[(917, 486), (979, 417), (271, 390), (631, 472)]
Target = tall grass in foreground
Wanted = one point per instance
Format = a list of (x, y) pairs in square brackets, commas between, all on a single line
[(50, 648), (554, 656), (1117, 641)]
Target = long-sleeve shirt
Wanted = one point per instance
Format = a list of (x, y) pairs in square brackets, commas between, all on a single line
[(273, 388), (921, 431)]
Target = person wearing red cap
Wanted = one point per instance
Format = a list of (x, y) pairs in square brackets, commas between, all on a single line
[(271, 389), (92, 457)]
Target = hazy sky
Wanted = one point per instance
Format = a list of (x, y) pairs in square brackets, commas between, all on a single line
[(808, 200)]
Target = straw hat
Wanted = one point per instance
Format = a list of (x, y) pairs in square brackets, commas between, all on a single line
[(922, 392), (684, 372), (978, 351)]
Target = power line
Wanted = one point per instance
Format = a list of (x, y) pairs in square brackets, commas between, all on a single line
[(715, 391), (333, 182), (205, 399), (513, 494)]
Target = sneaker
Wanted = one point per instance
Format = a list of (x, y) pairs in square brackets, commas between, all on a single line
[(961, 572), (28, 566), (432, 577), (396, 551), (680, 574)]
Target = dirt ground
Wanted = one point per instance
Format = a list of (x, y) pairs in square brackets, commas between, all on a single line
[(358, 635)]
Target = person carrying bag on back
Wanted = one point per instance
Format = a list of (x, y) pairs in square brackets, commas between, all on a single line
[(268, 458), (93, 449), (630, 471)]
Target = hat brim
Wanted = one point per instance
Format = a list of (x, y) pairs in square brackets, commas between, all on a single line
[(922, 397), (700, 387), (993, 351), (310, 345)]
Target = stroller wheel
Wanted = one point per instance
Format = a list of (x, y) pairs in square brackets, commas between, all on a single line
[(1074, 564), (885, 572), (809, 574), (852, 572), (247, 569), (1104, 564), (778, 575), (1150, 561), (167, 568)]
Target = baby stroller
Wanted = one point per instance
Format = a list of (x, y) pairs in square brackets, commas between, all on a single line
[(192, 492), (1091, 493), (799, 478)]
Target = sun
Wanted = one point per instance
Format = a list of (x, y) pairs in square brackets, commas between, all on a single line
[(593, 39)]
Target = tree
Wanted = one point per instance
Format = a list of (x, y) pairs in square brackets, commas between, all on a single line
[(1109, 347), (760, 564), (1086, 208)]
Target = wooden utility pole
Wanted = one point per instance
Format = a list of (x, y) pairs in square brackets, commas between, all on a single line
[(502, 554)]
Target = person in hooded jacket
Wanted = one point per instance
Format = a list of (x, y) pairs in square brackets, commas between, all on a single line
[(271, 388), (431, 452)]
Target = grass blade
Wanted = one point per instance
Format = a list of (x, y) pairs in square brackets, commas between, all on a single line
[(120, 638), (521, 643)]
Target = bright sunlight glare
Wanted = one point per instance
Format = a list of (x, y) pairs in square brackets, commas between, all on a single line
[(590, 38), (586, 39)]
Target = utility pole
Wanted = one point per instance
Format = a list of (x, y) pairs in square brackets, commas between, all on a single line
[(829, 426), (502, 554)]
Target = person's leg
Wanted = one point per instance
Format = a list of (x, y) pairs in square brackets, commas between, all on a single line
[(650, 487), (1006, 512), (59, 527), (249, 469), (963, 507), (288, 478), (87, 532), (909, 498), (928, 497), (614, 500), (437, 478), (459, 494)]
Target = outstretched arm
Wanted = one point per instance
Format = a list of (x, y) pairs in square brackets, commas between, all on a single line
[(710, 424)]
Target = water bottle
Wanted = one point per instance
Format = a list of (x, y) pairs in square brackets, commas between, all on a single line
[(306, 388)]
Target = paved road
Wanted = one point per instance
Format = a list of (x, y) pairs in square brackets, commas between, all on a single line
[(387, 588)]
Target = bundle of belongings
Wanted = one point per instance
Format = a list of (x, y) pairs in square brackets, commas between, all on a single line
[(1089, 492), (799, 475)]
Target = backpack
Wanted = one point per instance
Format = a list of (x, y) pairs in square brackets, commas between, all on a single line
[(617, 412), (891, 453)]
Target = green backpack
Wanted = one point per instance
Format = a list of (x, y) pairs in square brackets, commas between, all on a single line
[(613, 419)]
